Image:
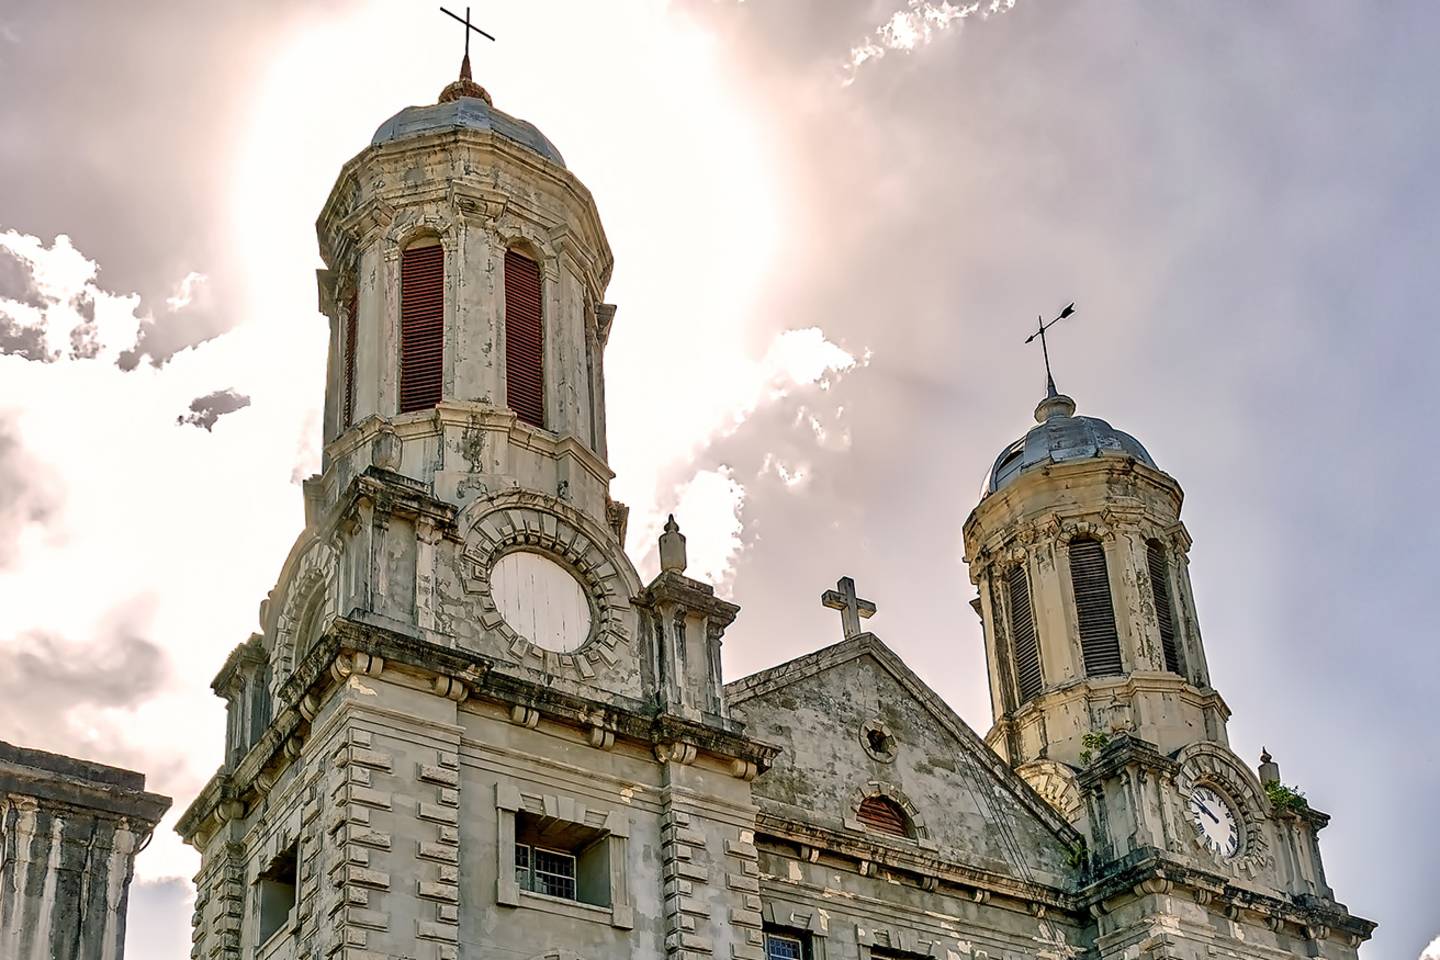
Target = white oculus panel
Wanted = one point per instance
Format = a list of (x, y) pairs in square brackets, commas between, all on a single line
[(541, 601)]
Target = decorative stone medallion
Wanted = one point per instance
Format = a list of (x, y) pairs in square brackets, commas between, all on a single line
[(547, 547), (878, 741)]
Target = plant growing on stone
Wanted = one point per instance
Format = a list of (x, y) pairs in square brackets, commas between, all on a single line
[(1285, 799), (1093, 742)]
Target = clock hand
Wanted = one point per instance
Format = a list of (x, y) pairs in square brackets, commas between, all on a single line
[(1202, 806)]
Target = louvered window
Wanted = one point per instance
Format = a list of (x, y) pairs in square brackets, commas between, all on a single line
[(1022, 635), (1164, 610), (422, 326), (352, 329), (1099, 641), (884, 815), (524, 339)]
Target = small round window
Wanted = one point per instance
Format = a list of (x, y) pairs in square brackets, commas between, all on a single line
[(541, 601)]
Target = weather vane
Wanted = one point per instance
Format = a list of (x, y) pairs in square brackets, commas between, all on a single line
[(468, 27), (1044, 347)]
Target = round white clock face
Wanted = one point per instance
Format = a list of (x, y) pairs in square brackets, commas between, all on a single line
[(1215, 821), (541, 601)]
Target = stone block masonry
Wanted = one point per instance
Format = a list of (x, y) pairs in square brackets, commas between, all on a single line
[(69, 832)]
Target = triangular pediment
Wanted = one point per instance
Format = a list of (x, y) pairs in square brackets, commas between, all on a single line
[(854, 721)]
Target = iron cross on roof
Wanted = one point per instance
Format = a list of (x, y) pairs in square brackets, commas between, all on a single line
[(851, 607), (468, 27), (1045, 348)]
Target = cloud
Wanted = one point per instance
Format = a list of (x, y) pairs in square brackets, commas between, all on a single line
[(708, 510), (150, 927), (915, 26), (65, 695), (28, 495), (204, 411), (1431, 952)]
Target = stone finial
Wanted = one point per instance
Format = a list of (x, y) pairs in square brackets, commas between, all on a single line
[(1269, 769), (465, 86), (672, 548), (1054, 405)]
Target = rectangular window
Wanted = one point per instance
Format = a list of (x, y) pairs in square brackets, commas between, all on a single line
[(1160, 586), (352, 331), (422, 326), (1094, 610), (784, 946), (275, 892), (560, 859), (524, 339), (1024, 643)]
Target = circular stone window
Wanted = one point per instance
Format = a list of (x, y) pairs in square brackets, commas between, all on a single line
[(541, 601)]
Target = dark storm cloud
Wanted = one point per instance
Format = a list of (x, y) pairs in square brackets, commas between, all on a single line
[(206, 410), (143, 189)]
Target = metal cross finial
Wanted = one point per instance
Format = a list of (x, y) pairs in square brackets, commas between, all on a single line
[(468, 27), (1050, 390), (851, 607)]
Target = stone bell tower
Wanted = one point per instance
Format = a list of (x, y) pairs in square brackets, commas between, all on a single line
[(466, 728), (1079, 555), (466, 270)]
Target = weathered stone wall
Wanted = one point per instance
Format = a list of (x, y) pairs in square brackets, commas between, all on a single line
[(824, 769), (69, 832)]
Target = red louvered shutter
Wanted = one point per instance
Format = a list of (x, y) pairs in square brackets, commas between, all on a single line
[(879, 813), (422, 326), (524, 339), (352, 327)]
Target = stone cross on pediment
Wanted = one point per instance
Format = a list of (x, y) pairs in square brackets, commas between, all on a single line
[(851, 607)]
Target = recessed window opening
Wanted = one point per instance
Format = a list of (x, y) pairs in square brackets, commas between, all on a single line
[(1159, 566), (1094, 609), (352, 331), (524, 339), (1024, 644), (561, 859), (422, 324), (275, 889), (884, 815), (786, 946)]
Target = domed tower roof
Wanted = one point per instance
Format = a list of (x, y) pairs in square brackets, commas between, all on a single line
[(1060, 437), (465, 105)]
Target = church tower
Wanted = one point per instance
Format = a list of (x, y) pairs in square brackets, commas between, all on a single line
[(464, 715), (1103, 703), (1081, 562)]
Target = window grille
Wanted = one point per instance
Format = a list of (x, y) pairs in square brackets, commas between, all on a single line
[(1024, 645), (780, 946), (547, 872), (1094, 609), (422, 326), (1160, 586), (524, 339)]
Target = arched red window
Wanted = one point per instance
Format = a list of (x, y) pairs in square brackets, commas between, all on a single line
[(524, 339), (422, 325), (885, 816)]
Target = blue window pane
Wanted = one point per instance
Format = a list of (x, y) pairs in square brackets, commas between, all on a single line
[(779, 947)]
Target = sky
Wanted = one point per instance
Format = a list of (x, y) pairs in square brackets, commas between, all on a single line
[(834, 222)]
